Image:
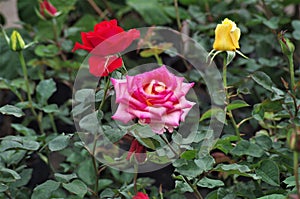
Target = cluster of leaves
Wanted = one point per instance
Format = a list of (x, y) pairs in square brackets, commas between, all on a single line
[(260, 164)]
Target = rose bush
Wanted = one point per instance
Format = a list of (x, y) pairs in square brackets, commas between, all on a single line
[(156, 98), (113, 40)]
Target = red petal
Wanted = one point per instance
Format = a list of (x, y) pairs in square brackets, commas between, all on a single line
[(102, 66)]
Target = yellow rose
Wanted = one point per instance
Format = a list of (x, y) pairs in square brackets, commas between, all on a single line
[(227, 36)]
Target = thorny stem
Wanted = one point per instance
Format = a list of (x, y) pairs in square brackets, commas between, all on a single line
[(177, 15), (135, 177), (229, 112), (52, 122), (169, 145), (105, 92), (25, 73), (296, 169), (296, 158), (97, 9), (292, 73), (196, 192), (95, 166)]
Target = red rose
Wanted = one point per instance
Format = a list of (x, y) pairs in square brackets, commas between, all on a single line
[(46, 8), (141, 195), (103, 59), (138, 150), (104, 31)]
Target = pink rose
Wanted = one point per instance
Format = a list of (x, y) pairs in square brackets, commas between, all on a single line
[(156, 98), (141, 195)]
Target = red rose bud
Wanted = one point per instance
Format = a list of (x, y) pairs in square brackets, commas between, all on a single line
[(138, 150), (294, 140), (47, 10), (16, 41), (141, 195), (287, 46)]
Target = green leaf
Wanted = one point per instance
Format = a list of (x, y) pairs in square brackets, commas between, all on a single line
[(273, 196), (236, 104), (263, 79), (230, 56), (205, 163), (272, 23), (107, 193), (103, 183), (46, 50), (77, 187), (182, 187), (11, 110), (44, 90), (8, 175), (189, 154), (18, 142), (59, 143), (51, 108), (245, 147), (64, 177), (23, 129), (214, 112), (290, 181), (3, 187), (269, 172), (45, 190), (296, 24), (150, 10), (238, 169), (86, 173), (187, 168), (264, 142), (26, 175), (210, 183), (87, 95)]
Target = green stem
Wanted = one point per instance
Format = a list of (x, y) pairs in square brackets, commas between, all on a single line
[(105, 92), (54, 26), (135, 178), (196, 192), (177, 15), (25, 73), (95, 166), (52, 123), (158, 59), (296, 170), (229, 112), (292, 73)]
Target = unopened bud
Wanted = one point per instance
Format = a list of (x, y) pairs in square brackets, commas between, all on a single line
[(294, 141), (287, 46), (16, 41)]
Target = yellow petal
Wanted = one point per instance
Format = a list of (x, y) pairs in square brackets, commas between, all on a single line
[(235, 36), (227, 36), (223, 39)]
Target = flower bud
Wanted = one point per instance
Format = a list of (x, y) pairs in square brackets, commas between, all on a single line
[(294, 140), (16, 41), (287, 46)]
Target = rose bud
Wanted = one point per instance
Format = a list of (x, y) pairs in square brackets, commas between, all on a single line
[(16, 41)]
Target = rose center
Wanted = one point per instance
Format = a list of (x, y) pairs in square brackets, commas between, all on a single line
[(154, 87)]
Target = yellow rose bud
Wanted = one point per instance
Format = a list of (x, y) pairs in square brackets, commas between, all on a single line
[(227, 36), (16, 41)]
